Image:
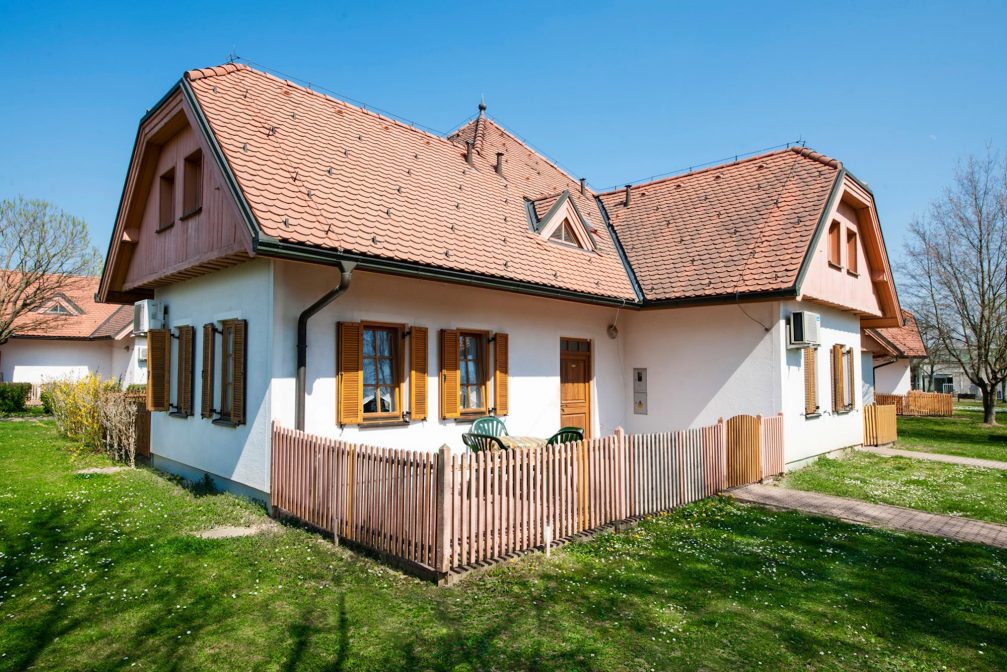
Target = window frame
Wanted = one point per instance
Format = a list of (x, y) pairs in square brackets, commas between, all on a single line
[(192, 184), (849, 371), (852, 255), (398, 364), (835, 245), (166, 200), (484, 343)]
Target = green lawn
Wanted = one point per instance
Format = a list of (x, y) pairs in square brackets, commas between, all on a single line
[(917, 484), (100, 573), (962, 434)]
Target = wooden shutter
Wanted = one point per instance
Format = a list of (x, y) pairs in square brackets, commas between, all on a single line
[(350, 377), (238, 367), (810, 381), (851, 378), (418, 373), (158, 369), (838, 391), (186, 353), (450, 383), (206, 392), (501, 378)]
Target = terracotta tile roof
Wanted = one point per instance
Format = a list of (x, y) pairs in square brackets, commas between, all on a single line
[(322, 172), (905, 340), (98, 320), (740, 228)]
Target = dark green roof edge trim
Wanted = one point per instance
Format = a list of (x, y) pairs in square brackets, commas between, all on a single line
[(225, 169), (721, 299), (837, 188), (297, 252), (630, 273)]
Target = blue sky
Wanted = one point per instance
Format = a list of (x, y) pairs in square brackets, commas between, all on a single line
[(612, 91)]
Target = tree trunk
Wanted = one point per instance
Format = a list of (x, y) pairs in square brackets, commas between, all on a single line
[(989, 405)]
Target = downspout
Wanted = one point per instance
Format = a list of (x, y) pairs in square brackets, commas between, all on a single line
[(346, 275)]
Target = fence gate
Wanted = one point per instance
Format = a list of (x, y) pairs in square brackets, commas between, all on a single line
[(743, 450)]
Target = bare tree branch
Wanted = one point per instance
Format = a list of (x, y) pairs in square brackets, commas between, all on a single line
[(44, 252)]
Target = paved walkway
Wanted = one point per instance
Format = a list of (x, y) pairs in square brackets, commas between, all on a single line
[(874, 515), (936, 457)]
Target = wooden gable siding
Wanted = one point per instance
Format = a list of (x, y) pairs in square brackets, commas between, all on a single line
[(140, 256), (869, 291)]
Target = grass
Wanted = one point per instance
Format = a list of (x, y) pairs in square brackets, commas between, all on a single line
[(918, 484), (963, 434), (100, 573)]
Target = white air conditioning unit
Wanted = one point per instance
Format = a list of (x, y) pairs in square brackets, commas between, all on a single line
[(147, 315), (141, 353), (803, 328)]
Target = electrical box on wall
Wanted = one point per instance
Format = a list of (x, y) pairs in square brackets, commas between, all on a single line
[(640, 391)]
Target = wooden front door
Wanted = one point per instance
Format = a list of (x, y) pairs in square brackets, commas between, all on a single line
[(575, 384)]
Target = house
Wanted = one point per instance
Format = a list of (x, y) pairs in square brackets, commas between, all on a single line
[(71, 336), (890, 355), (329, 268)]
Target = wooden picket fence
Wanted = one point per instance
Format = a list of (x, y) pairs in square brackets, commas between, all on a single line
[(919, 403), (879, 425), (437, 513)]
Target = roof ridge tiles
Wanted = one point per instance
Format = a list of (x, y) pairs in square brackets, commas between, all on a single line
[(803, 151)]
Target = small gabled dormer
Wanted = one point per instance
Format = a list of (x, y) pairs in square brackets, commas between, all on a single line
[(60, 306), (558, 220)]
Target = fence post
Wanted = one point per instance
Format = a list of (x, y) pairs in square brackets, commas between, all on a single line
[(722, 426), (620, 438), (442, 538)]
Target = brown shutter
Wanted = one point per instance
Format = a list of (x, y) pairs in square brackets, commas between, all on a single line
[(206, 398), (851, 379), (350, 377), (186, 354), (450, 383), (238, 363), (158, 369), (418, 373), (810, 381), (501, 378), (837, 378)]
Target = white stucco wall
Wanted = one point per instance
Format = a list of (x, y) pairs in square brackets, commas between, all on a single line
[(534, 325), (702, 364), (894, 378), (192, 446), (36, 360), (807, 437)]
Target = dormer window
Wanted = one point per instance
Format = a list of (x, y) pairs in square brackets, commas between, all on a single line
[(561, 222), (564, 234), (57, 309)]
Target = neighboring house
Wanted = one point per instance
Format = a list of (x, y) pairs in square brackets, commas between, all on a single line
[(71, 336), (326, 267), (891, 354)]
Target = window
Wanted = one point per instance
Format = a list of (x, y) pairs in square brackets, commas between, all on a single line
[(381, 371), (206, 409), (57, 309), (192, 184), (842, 379), (810, 382), (183, 379), (371, 376), (166, 201), (849, 400), (835, 250), (158, 369), (472, 371), (851, 252), (465, 369), (232, 373), (564, 234)]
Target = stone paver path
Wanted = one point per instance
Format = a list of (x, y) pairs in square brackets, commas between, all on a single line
[(936, 457), (874, 515)]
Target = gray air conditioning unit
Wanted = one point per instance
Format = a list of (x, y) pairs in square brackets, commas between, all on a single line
[(803, 328), (147, 315)]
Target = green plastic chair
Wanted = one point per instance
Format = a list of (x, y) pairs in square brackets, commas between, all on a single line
[(489, 426), (566, 435), (480, 442)]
